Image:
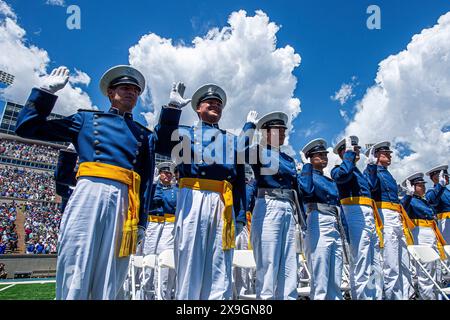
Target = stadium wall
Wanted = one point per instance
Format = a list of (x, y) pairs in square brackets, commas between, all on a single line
[(36, 265)]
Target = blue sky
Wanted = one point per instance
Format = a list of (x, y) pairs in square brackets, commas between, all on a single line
[(330, 36)]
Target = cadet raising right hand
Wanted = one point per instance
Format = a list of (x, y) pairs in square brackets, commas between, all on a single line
[(176, 96), (57, 80)]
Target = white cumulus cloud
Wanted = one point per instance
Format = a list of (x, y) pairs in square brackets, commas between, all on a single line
[(410, 103), (241, 57), (29, 64), (344, 94), (59, 3)]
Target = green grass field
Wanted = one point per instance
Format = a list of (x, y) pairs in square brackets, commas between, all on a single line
[(38, 291)]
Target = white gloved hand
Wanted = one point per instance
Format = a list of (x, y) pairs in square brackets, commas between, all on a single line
[(409, 188), (176, 96), (239, 227), (348, 144), (372, 159), (57, 80), (305, 160), (299, 167), (156, 176), (442, 181), (71, 148), (251, 116)]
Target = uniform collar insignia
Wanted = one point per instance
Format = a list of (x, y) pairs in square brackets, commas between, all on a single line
[(128, 115)]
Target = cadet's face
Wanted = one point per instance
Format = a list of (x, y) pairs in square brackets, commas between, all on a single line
[(319, 160), (419, 188), (165, 177), (210, 110), (124, 97), (384, 158), (274, 135)]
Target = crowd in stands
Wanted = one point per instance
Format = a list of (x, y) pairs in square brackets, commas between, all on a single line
[(21, 183), (8, 232), (28, 152), (41, 228)]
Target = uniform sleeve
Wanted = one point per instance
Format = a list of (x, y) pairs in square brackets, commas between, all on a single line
[(65, 168), (32, 120), (372, 177), (239, 195), (406, 203), (343, 173), (252, 195), (434, 195), (165, 131), (244, 140), (305, 180)]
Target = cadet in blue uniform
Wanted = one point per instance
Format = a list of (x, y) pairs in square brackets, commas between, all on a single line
[(439, 198), (211, 201), (276, 208), (107, 213), (65, 174), (160, 231), (396, 224), (426, 231), (364, 225), (323, 239)]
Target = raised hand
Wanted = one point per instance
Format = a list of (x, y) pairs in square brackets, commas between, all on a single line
[(57, 80), (176, 96), (251, 116)]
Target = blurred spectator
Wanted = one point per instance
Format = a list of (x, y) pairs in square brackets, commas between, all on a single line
[(8, 234), (41, 228), (3, 273), (28, 152), (2, 247), (17, 182)]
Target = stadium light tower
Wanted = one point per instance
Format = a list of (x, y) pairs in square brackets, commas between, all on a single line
[(6, 78)]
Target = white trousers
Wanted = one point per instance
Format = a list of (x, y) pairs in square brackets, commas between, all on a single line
[(366, 273), (203, 268), (273, 241), (158, 237), (425, 236), (324, 256), (396, 264), (444, 226), (88, 266), (243, 277)]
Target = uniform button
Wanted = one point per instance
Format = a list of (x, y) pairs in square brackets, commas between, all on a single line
[(229, 177), (203, 173), (142, 137), (134, 161), (96, 142), (139, 144), (96, 132), (95, 116), (137, 152), (280, 179), (97, 152), (142, 129), (95, 123)]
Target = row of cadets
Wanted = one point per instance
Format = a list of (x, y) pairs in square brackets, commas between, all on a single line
[(276, 209), (324, 247), (364, 225), (426, 231), (160, 232), (397, 225), (211, 201), (106, 215)]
